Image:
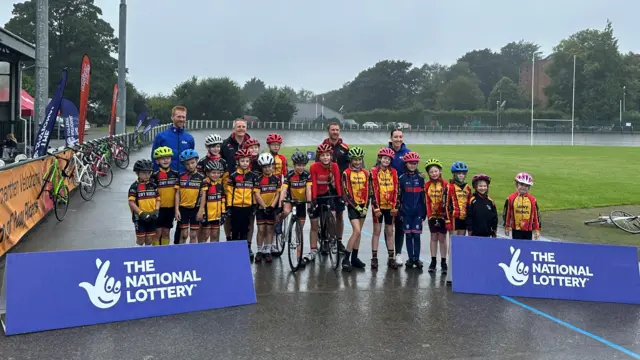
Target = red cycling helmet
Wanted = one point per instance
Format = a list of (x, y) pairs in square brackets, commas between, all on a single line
[(387, 152), (479, 177), (243, 153), (250, 142), (324, 148), (411, 157), (274, 138)]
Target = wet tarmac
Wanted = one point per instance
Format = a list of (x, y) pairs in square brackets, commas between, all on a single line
[(317, 313)]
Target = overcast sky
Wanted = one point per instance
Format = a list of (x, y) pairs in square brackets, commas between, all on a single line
[(319, 45)]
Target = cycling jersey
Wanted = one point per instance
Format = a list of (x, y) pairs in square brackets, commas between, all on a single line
[(324, 179), (458, 197), (145, 194), (280, 166), (436, 194), (240, 188), (205, 160), (297, 185), (411, 195), (482, 216), (268, 187), (355, 184), (383, 186), (339, 155), (215, 200), (189, 188), (521, 213), (166, 181)]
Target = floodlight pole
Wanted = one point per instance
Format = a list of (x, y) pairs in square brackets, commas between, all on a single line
[(573, 101), (533, 70)]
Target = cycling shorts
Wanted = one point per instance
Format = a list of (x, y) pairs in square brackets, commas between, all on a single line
[(412, 225), (263, 219), (213, 224), (386, 217), (325, 201), (145, 228), (437, 226), (459, 224), (301, 210), (188, 218), (355, 214), (165, 218)]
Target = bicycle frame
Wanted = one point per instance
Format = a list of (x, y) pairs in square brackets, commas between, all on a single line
[(77, 163), (55, 176)]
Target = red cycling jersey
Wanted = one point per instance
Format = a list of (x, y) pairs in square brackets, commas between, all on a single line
[(322, 176)]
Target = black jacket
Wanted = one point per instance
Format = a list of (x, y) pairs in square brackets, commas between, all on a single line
[(482, 216), (228, 151)]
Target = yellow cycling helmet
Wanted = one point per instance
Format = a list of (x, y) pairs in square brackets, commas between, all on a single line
[(433, 162), (162, 151)]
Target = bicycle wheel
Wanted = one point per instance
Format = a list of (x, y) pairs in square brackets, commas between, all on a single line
[(625, 221), (330, 226), (281, 239), (296, 244), (105, 175), (122, 159), (61, 202), (87, 185)]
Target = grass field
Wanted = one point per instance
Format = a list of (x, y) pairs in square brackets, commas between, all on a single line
[(565, 177)]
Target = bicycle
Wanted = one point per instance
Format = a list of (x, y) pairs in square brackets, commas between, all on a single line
[(58, 191), (327, 238), (294, 235), (120, 155), (83, 176), (137, 141), (621, 219), (101, 168)]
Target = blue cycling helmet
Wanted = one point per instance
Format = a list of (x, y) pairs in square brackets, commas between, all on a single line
[(459, 166), (188, 155)]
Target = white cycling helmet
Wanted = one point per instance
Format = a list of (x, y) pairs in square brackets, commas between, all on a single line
[(524, 178), (266, 159), (213, 139)]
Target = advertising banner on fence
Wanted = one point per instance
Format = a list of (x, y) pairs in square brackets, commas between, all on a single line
[(41, 141), (105, 285), (545, 269), (69, 112), (85, 80), (141, 118), (114, 103), (20, 209), (152, 123)]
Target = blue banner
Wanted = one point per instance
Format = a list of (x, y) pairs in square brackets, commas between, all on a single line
[(41, 142), (311, 155), (141, 118), (152, 123), (53, 290), (545, 269), (70, 115)]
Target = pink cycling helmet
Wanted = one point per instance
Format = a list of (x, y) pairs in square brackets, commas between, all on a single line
[(524, 178)]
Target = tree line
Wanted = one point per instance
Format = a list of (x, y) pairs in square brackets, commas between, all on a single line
[(471, 90)]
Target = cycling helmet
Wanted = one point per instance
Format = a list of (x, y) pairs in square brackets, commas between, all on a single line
[(143, 165), (214, 165), (162, 151), (356, 153), (298, 157), (479, 177), (524, 178), (265, 159), (243, 153), (433, 162), (188, 155), (250, 142), (323, 148), (274, 138), (459, 166), (385, 151), (411, 157), (213, 139)]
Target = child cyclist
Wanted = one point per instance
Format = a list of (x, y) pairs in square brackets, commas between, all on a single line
[(212, 202), (239, 190), (482, 214), (325, 181), (165, 179), (435, 190), (413, 207), (383, 188), (296, 187), (267, 191), (274, 141), (144, 203), (213, 143), (458, 194), (252, 145), (521, 211), (188, 197), (355, 192)]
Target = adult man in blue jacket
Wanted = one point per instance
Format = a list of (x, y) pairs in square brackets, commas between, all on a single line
[(175, 137), (397, 144)]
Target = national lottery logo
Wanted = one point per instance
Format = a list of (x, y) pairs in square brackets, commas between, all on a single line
[(142, 283), (544, 270)]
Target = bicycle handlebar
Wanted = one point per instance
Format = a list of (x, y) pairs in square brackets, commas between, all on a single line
[(327, 197), (296, 202)]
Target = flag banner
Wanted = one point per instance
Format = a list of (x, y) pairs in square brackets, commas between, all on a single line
[(114, 102), (85, 79), (70, 115), (51, 113)]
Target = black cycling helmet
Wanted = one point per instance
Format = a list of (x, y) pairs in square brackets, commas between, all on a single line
[(214, 165), (143, 165), (299, 157)]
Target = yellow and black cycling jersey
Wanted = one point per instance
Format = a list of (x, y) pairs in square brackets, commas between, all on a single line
[(457, 198), (521, 212), (145, 195), (166, 181), (296, 185), (268, 188), (436, 193), (215, 199), (383, 185), (280, 166), (189, 187), (240, 188), (355, 187)]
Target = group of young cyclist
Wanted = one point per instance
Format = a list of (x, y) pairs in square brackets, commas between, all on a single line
[(260, 188)]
